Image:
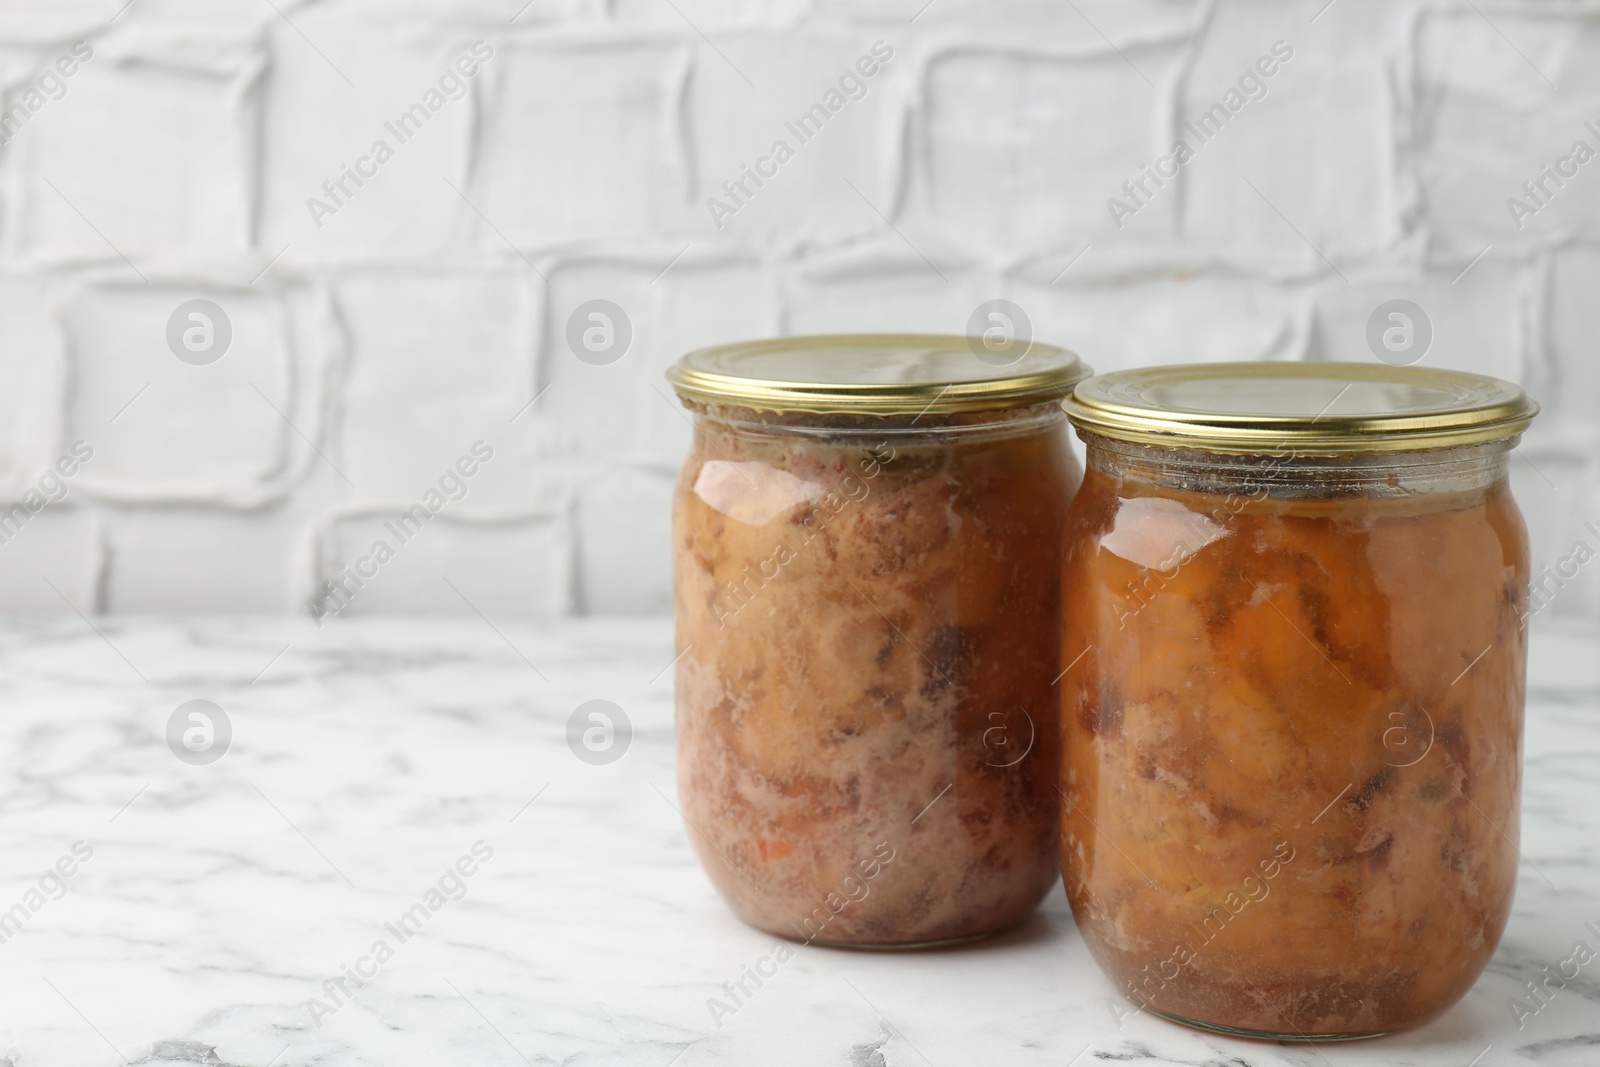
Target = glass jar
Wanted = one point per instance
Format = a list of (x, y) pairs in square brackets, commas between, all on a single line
[(1293, 717), (866, 577)]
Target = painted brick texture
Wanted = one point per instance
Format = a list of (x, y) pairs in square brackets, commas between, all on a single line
[(400, 207)]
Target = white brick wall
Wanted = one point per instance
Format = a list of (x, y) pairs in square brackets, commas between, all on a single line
[(423, 314)]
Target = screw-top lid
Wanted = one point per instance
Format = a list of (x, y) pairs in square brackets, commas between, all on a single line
[(1327, 408), (877, 374)]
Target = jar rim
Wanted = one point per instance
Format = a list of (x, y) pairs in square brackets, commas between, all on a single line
[(877, 374), (1310, 408)]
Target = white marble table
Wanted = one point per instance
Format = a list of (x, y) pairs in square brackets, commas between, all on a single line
[(369, 758)]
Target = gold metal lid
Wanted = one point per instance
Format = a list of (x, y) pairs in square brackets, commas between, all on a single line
[(1322, 408), (876, 374)]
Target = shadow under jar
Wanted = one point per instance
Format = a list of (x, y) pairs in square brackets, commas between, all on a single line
[(1297, 597), (866, 577)]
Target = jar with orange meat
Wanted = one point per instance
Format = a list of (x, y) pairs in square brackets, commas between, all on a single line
[(866, 578), (1295, 612)]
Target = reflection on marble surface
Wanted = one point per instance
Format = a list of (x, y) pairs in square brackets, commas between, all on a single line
[(400, 860)]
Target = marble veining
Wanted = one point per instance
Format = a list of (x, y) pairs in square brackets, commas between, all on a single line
[(232, 913)]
